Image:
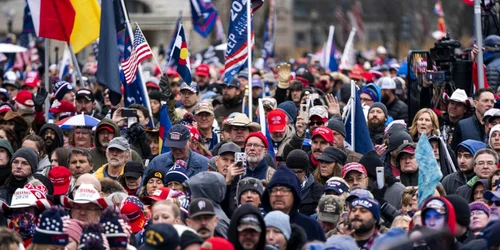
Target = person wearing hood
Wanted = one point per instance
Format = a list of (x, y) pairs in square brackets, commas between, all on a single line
[(445, 157), (106, 130), (477, 190), (465, 154), (311, 190), (247, 230), (283, 193), (6, 153), (53, 137), (485, 162), (23, 165), (438, 213), (212, 186), (407, 164)]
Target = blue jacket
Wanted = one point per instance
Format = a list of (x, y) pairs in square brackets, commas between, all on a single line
[(196, 163), (492, 61), (258, 172), (469, 128), (286, 177)]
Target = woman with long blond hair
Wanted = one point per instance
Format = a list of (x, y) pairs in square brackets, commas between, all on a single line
[(426, 121)]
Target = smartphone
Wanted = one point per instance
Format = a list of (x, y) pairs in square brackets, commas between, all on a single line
[(304, 112), (380, 177), (129, 113), (240, 158)]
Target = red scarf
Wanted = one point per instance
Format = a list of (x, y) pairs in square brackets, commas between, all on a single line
[(131, 191), (314, 161)]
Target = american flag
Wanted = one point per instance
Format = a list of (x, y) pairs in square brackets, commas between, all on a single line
[(140, 52)]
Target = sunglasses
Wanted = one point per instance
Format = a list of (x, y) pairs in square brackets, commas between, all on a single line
[(317, 123)]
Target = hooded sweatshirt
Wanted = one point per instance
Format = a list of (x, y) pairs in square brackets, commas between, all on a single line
[(58, 141), (233, 233), (450, 212), (453, 181), (287, 178), (211, 185), (98, 153)]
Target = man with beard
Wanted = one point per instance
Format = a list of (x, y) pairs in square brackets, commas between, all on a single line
[(202, 217), (117, 153), (85, 103), (322, 138), (281, 132), (189, 98), (364, 217), (256, 146), (465, 154), (178, 141), (457, 107), (396, 108), (377, 116), (203, 77), (231, 101), (106, 130), (53, 137), (247, 230), (23, 165)]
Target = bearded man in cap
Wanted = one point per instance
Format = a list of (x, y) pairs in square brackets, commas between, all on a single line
[(377, 117), (247, 229), (53, 137), (364, 217), (231, 101), (281, 132)]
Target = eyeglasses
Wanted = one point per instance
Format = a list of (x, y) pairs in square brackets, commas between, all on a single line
[(254, 145), (358, 179), (282, 190), (317, 123), (477, 212)]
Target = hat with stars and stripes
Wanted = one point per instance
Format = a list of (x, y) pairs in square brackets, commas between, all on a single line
[(50, 229)]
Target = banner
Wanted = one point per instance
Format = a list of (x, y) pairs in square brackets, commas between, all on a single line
[(269, 33), (204, 16), (210, 56)]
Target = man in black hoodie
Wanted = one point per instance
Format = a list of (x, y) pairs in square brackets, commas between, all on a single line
[(247, 229), (283, 193), (53, 137)]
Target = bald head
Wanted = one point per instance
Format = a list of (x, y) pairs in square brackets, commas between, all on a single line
[(88, 179)]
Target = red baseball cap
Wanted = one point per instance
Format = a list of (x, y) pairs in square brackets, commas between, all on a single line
[(324, 132), (106, 127), (60, 177), (203, 70), (195, 134), (152, 85), (172, 72), (32, 79), (160, 194), (64, 106), (353, 166), (24, 97), (276, 120), (132, 208)]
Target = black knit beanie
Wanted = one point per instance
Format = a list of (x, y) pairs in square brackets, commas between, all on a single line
[(297, 159), (155, 95), (30, 155), (462, 210), (337, 125), (397, 138), (370, 161), (380, 106)]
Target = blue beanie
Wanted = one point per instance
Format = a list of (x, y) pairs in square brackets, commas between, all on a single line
[(177, 173), (110, 221), (280, 221), (50, 231), (290, 109), (61, 88), (370, 204)]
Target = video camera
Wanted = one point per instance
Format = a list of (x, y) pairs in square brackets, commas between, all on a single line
[(443, 54)]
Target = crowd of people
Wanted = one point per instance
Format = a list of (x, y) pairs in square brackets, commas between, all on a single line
[(215, 181)]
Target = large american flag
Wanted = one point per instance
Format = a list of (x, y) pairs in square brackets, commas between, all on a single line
[(140, 52)]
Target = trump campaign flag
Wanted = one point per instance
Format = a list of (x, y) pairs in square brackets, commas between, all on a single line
[(268, 48), (180, 56), (204, 16), (135, 91), (237, 47), (53, 19)]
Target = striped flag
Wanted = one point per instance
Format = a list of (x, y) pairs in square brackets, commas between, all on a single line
[(180, 56), (165, 125), (140, 52)]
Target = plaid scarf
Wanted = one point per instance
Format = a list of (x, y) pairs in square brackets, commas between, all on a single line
[(368, 245)]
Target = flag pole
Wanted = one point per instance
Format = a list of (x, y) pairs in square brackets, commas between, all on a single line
[(249, 62), (154, 57), (75, 63), (139, 68), (46, 76), (479, 43), (353, 112)]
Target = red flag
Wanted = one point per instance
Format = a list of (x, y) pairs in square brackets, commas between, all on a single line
[(53, 19)]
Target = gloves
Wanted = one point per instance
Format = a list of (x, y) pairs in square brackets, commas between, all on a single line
[(165, 88), (39, 99), (284, 76)]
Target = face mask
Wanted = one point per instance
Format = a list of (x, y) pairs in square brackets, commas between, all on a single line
[(24, 223)]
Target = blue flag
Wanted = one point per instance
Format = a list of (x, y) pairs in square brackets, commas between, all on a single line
[(108, 72), (363, 143), (180, 56), (269, 31), (28, 26), (237, 47), (333, 65), (429, 173), (135, 93), (165, 125), (204, 16)]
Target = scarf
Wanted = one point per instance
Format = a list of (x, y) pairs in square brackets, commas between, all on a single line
[(15, 184), (130, 191), (4, 173), (314, 161)]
